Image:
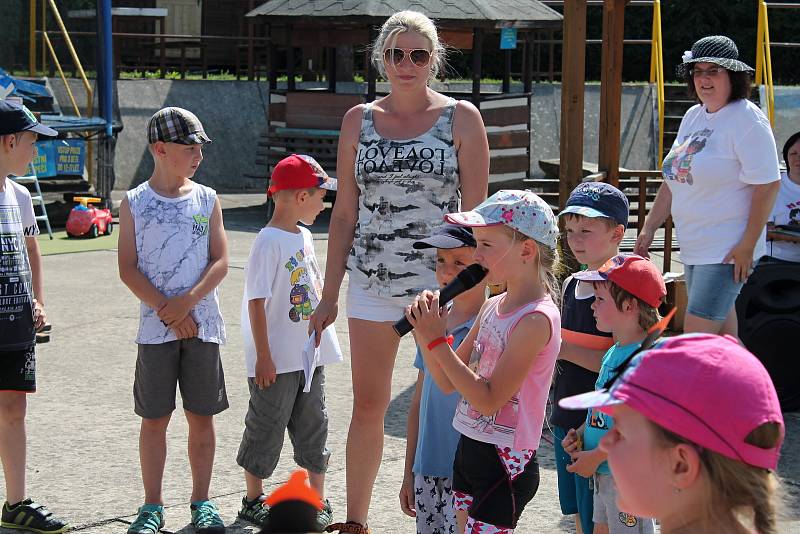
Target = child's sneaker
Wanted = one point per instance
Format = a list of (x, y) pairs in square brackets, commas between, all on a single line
[(255, 511), (206, 519), (29, 515), (324, 516), (150, 519), (351, 527)]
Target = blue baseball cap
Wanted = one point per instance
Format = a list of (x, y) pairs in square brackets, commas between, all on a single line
[(448, 236), (598, 199), (16, 118)]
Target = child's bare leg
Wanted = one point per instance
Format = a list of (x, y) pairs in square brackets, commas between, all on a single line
[(600, 528), (202, 444), (461, 520), (255, 486), (317, 481), (153, 456), (578, 527), (13, 405)]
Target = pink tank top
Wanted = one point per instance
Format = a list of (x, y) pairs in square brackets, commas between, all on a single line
[(518, 424)]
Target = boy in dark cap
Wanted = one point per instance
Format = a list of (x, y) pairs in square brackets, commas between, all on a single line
[(21, 313)]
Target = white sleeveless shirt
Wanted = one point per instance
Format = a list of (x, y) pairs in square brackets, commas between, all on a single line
[(172, 249), (405, 189)]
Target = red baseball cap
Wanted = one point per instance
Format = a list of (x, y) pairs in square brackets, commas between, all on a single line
[(703, 387), (299, 171), (635, 274)]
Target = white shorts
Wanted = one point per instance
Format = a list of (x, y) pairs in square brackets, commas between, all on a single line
[(364, 305)]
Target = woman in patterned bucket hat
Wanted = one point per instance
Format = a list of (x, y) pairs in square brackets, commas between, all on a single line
[(720, 181)]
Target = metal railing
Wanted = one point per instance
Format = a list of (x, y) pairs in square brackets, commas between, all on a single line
[(764, 57)]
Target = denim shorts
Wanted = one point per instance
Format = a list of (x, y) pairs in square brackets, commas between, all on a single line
[(711, 290)]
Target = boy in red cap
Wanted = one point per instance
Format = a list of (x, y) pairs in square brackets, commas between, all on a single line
[(628, 290), (283, 285), (21, 313)]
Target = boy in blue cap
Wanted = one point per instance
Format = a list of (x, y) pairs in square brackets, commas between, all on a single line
[(21, 313), (595, 217)]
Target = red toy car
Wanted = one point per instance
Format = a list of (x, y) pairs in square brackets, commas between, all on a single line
[(87, 220)]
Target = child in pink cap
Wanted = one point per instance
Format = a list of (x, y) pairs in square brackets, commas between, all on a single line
[(696, 437)]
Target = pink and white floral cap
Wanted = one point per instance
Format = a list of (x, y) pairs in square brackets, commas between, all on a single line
[(523, 211)]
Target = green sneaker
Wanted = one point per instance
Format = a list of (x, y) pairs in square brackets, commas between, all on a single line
[(324, 516), (149, 521), (29, 515), (255, 511), (206, 519)]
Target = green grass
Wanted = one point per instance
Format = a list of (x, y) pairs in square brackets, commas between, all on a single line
[(61, 244)]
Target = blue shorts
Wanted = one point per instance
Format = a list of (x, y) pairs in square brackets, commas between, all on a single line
[(711, 290), (575, 493)]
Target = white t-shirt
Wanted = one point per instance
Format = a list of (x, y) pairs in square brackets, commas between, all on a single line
[(17, 221), (711, 169), (786, 212), (283, 269)]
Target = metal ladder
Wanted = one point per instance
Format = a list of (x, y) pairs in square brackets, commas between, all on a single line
[(37, 199)]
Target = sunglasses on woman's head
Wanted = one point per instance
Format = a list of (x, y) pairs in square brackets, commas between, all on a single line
[(418, 56)]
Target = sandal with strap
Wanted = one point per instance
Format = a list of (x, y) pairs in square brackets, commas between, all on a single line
[(351, 527)]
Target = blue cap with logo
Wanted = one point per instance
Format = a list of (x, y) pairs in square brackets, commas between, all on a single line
[(598, 199), (16, 118)]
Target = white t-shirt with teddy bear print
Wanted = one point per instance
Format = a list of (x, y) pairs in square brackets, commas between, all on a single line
[(711, 171)]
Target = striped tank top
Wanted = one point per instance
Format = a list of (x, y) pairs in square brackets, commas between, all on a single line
[(405, 189)]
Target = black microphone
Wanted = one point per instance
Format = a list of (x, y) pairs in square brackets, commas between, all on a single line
[(466, 279)]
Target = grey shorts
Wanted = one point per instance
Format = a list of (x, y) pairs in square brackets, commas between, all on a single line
[(607, 512), (190, 363), (280, 407)]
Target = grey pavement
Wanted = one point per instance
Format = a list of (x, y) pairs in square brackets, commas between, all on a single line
[(83, 435)]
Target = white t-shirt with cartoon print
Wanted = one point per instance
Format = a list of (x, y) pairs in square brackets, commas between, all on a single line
[(283, 269), (711, 169), (786, 212)]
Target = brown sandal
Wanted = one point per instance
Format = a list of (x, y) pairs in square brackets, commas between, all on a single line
[(351, 527)]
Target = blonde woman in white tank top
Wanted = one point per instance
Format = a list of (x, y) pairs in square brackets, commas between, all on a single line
[(378, 206)]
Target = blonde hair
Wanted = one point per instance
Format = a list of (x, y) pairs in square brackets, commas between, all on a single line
[(648, 315), (739, 491), (409, 21), (547, 263)]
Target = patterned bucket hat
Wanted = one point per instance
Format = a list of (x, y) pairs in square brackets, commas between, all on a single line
[(716, 49), (523, 211)]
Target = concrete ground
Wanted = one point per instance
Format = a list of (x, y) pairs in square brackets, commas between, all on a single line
[(83, 447)]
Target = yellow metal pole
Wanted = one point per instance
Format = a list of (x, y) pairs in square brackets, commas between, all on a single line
[(71, 49), (61, 73), (768, 64), (660, 68), (44, 30), (760, 43), (32, 38)]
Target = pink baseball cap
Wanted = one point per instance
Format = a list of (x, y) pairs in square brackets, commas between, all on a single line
[(705, 388), (635, 274)]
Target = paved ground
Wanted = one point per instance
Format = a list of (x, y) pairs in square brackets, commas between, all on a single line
[(83, 459)]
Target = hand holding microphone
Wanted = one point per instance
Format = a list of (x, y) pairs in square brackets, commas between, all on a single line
[(466, 280)]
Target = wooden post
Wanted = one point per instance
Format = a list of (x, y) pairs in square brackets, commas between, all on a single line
[(371, 74), (251, 56), (289, 60), (477, 52), (32, 38), (527, 63), (507, 71), (331, 51), (272, 58), (611, 89), (162, 26), (573, 76)]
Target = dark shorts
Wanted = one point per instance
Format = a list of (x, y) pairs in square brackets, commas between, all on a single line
[(190, 363), (18, 370), (496, 498), (280, 407)]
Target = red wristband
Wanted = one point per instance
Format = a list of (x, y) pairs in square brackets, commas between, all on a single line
[(439, 340)]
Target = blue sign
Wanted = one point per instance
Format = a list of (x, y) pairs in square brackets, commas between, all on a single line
[(59, 156), (508, 38)]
